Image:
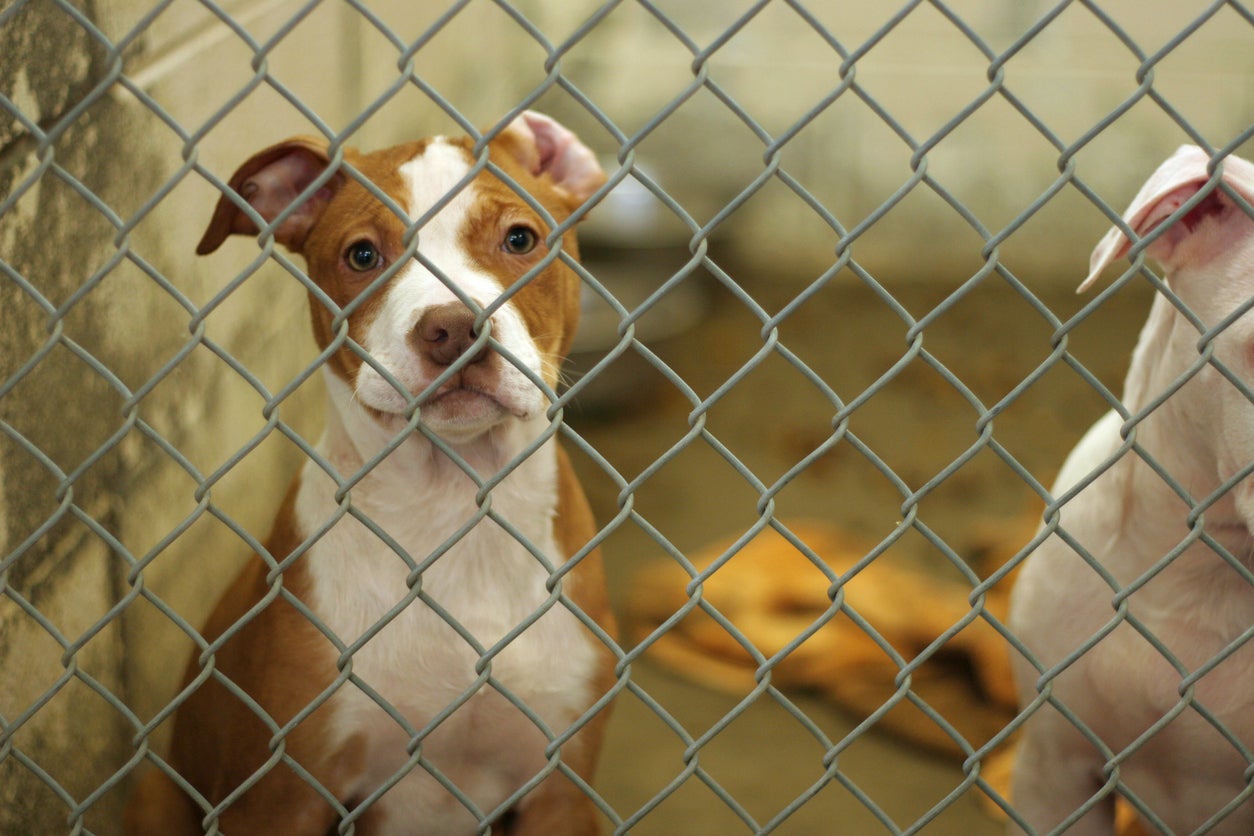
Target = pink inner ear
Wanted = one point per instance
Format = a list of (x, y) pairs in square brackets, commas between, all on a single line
[(1211, 227), (1147, 218), (548, 147), (562, 157), (1212, 206), (1159, 211), (271, 189), (1155, 214)]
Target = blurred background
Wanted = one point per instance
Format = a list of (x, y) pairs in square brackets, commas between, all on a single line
[(834, 280)]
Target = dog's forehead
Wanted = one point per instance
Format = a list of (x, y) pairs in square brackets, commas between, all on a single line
[(436, 173)]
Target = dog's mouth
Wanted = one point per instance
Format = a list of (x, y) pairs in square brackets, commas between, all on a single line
[(468, 401), (458, 409), (464, 402)]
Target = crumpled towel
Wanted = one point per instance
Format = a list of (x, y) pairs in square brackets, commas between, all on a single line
[(773, 593)]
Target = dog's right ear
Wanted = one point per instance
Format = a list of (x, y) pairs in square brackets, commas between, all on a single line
[(270, 180), (1210, 225)]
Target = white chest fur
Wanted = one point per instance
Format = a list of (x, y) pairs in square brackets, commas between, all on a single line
[(455, 647)]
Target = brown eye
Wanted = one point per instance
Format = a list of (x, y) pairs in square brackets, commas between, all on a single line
[(519, 240), (362, 256)]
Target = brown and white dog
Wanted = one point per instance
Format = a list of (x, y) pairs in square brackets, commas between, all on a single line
[(377, 679)]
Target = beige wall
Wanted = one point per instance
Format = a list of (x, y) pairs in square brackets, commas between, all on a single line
[(922, 74), (137, 496)]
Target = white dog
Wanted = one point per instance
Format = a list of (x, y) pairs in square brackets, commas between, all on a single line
[(1139, 608)]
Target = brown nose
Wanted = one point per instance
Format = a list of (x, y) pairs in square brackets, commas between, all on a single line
[(445, 332)]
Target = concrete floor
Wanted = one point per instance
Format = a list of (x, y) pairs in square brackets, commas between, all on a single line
[(918, 423)]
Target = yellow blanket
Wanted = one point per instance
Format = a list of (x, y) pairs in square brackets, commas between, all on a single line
[(771, 592)]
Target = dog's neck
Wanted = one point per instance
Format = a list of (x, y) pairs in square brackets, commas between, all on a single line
[(1174, 431), (1184, 433)]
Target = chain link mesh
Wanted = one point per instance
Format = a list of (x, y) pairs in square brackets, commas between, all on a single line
[(81, 477)]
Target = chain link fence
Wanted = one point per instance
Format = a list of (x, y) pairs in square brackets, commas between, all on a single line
[(837, 247)]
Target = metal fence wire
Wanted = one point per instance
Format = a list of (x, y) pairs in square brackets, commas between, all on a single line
[(872, 213)]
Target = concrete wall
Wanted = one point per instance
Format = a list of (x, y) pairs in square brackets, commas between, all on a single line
[(87, 486)]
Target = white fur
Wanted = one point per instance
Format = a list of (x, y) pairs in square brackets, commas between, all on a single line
[(488, 582), (415, 289), (1129, 519)]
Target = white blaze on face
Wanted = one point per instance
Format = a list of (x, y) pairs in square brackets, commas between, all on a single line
[(444, 241)]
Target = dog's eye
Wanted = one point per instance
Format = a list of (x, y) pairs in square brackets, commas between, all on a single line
[(362, 256), (520, 240)]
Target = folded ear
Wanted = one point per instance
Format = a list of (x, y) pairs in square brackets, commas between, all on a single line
[(269, 181), (1207, 228), (547, 149)]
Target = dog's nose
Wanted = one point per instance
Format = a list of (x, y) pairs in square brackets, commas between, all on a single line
[(444, 333)]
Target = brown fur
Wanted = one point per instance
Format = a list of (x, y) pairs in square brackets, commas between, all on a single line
[(281, 661)]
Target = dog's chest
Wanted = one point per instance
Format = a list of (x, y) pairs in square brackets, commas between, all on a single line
[(460, 651)]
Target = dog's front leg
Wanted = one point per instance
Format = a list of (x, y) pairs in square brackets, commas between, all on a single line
[(303, 814), (160, 808), (556, 807), (1056, 773)]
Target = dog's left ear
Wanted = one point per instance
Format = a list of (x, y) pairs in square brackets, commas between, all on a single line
[(547, 149), (1213, 224)]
